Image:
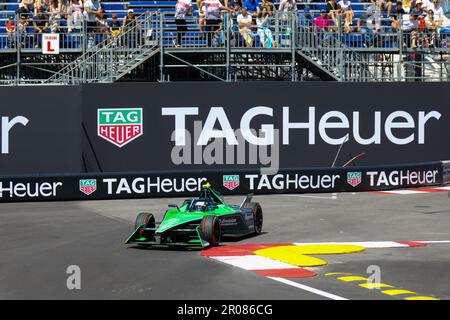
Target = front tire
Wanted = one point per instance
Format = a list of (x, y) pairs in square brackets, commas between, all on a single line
[(210, 230), (148, 220)]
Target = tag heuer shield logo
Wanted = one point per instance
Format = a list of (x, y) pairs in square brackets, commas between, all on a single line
[(88, 186), (354, 178), (231, 181), (120, 126)]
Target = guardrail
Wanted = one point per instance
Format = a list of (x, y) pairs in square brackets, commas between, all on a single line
[(97, 186)]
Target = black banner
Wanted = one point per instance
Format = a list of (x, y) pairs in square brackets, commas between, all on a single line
[(98, 186), (130, 127), (378, 124), (40, 130)]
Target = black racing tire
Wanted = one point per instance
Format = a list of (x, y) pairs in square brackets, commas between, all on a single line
[(257, 216), (210, 230), (148, 220)]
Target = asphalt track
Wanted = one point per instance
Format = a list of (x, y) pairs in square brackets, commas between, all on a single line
[(38, 241)]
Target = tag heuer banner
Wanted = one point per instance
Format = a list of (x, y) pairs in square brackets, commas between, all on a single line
[(189, 183)]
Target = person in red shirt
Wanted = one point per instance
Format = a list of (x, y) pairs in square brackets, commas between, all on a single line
[(11, 30)]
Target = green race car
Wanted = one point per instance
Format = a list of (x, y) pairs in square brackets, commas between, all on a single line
[(200, 221)]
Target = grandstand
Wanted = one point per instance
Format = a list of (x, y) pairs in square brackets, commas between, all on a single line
[(299, 53)]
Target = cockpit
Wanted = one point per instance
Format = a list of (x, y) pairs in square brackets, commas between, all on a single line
[(201, 205)]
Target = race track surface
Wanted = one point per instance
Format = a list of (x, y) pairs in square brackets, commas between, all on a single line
[(38, 241)]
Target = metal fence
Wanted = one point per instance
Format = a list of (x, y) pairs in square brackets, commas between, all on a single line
[(376, 52)]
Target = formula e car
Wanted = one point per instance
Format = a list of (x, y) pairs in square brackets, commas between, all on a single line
[(200, 221)]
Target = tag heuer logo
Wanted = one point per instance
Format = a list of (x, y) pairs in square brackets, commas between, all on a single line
[(120, 126), (354, 178), (88, 186), (231, 181)]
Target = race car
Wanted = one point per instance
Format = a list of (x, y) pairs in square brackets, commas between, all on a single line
[(200, 222)]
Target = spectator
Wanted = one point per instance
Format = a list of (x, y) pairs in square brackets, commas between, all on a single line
[(396, 16), (131, 22), (29, 4), (426, 5), (253, 7), (11, 31), (102, 22), (407, 5), (368, 26), (54, 16), (445, 27), (429, 32), (75, 15), (40, 22), (417, 9), (438, 12), (115, 26), (245, 22), (63, 8), (92, 9), (263, 29), (268, 6), (288, 6), (385, 6), (347, 12), (410, 28), (40, 25), (24, 20), (182, 9), (323, 22), (212, 17), (333, 10), (305, 18)]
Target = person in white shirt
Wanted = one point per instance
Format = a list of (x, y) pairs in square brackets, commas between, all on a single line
[(182, 8), (438, 12), (213, 21), (245, 21), (410, 27)]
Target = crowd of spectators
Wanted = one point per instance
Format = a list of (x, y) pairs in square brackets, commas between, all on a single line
[(420, 20), (66, 16)]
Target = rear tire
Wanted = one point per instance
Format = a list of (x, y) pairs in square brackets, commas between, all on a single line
[(148, 220), (257, 217), (210, 230)]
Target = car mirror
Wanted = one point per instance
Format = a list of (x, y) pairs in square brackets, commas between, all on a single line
[(174, 206)]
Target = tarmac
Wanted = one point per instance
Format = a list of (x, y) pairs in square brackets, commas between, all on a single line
[(39, 241)]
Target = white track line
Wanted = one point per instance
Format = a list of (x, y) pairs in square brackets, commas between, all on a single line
[(366, 244), (435, 241), (253, 262), (307, 288)]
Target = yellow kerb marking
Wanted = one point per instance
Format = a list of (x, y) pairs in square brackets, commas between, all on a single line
[(421, 298), (336, 273), (394, 292), (352, 278), (375, 285), (298, 255)]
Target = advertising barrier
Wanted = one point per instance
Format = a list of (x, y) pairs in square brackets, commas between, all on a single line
[(98, 186), (135, 127), (215, 125)]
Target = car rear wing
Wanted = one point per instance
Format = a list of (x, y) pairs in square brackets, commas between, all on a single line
[(247, 201)]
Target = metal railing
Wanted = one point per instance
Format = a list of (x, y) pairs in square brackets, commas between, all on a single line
[(113, 56), (346, 55)]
